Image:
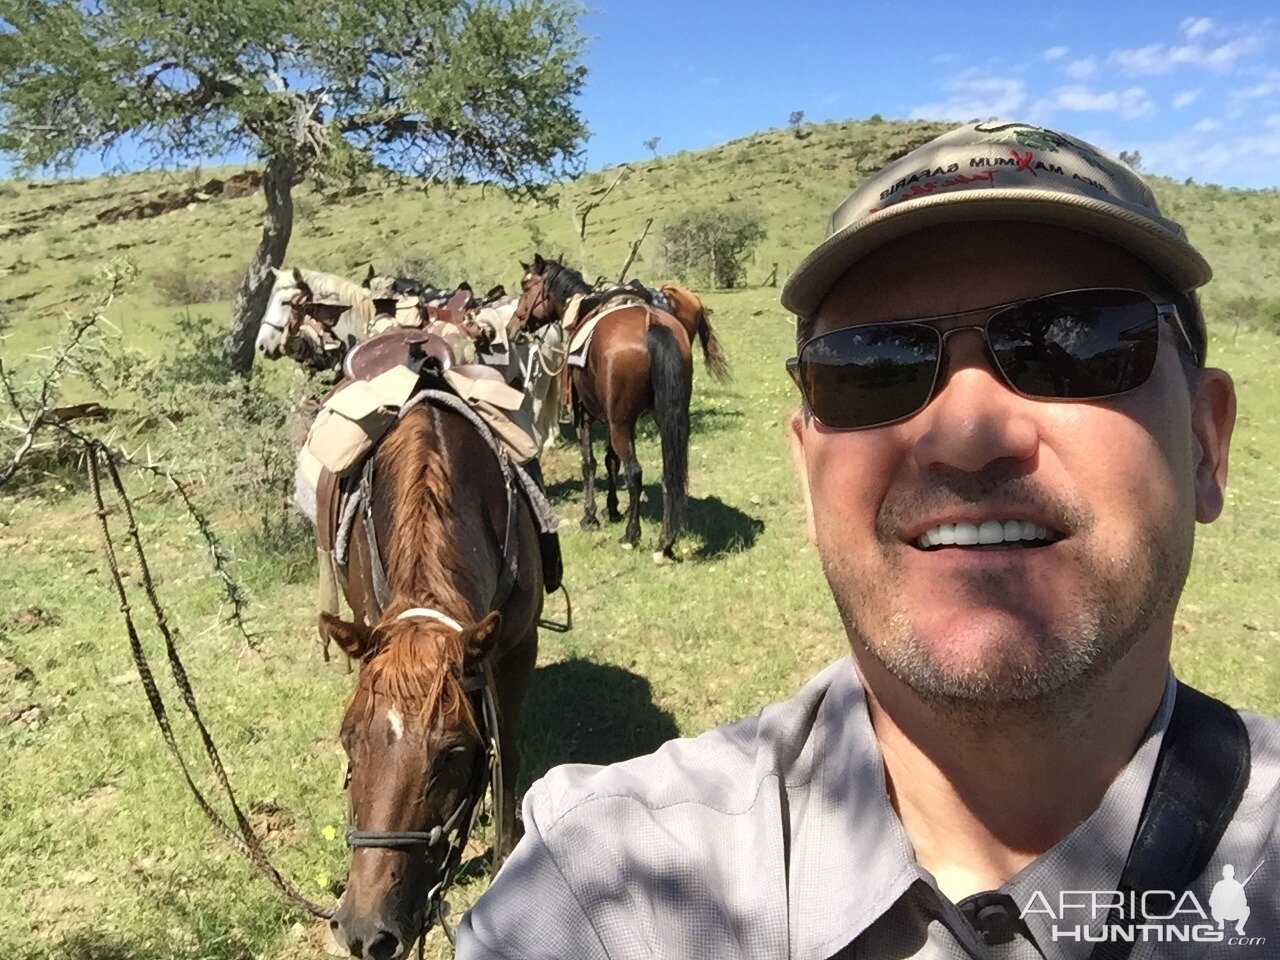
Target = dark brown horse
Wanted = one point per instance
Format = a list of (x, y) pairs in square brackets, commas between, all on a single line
[(412, 731), (639, 362)]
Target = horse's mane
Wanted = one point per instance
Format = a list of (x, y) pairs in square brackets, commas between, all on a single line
[(418, 663), (331, 285), (563, 281)]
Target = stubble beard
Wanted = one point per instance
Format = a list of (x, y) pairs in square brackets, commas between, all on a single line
[(1031, 667)]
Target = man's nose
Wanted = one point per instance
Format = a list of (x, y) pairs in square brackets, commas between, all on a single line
[(974, 418)]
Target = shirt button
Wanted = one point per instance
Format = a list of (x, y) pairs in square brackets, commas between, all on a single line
[(993, 915)]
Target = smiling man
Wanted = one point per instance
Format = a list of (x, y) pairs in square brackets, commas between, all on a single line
[(1007, 436)]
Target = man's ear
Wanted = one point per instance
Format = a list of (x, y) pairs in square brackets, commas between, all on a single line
[(368, 277), (802, 471), (478, 641), (353, 639), (1213, 418)]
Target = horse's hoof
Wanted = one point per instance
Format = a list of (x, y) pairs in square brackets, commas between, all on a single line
[(626, 544), (589, 523), (660, 558), (615, 518)]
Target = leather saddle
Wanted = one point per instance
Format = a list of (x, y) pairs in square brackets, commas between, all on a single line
[(598, 299), (455, 310), (406, 346)]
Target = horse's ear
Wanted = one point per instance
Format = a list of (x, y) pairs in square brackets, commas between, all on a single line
[(368, 277), (538, 263), (525, 267), (478, 641), (354, 639)]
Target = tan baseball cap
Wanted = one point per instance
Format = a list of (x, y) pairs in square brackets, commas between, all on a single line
[(997, 170)]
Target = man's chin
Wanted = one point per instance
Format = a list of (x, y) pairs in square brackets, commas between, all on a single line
[(989, 659)]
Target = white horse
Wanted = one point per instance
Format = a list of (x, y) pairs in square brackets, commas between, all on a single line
[(351, 327), (536, 361), (533, 367)]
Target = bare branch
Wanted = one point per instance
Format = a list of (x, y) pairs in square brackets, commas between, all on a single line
[(635, 249), (586, 208)]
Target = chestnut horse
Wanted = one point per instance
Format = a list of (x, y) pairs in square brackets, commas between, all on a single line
[(687, 307), (639, 362), (416, 732)]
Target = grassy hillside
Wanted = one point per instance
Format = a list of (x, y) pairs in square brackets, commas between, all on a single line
[(51, 240), (102, 853)]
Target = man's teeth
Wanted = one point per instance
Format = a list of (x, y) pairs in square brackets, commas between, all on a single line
[(991, 531)]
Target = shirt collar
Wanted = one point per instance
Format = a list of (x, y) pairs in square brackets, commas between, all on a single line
[(851, 859)]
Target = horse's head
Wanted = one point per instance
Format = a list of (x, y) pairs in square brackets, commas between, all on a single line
[(416, 747), (287, 296), (538, 304)]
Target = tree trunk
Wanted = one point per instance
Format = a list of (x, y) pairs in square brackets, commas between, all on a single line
[(255, 289)]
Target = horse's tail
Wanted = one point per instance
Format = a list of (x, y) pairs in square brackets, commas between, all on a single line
[(712, 353), (670, 377)]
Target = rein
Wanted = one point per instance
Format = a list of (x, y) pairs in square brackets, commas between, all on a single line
[(242, 836)]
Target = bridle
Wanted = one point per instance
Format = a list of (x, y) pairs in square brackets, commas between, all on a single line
[(446, 842)]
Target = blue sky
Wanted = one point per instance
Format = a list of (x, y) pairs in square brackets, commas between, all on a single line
[(1194, 88)]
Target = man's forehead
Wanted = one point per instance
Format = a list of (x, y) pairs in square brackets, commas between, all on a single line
[(964, 266)]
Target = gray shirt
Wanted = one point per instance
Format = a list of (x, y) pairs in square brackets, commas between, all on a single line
[(774, 837)]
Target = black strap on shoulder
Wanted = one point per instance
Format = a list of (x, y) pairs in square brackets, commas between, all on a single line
[(1200, 776)]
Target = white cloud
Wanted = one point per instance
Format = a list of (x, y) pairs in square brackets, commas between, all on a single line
[(1245, 160), (1082, 68), (1207, 126), (975, 94), (1195, 27), (1267, 88), (1186, 98), (1272, 121), (1159, 58), (1056, 53), (1130, 104)]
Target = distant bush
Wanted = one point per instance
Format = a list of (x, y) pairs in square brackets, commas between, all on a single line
[(711, 244), (1249, 312), (183, 287)]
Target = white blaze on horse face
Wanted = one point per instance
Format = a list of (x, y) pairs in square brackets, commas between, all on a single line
[(397, 724), (274, 322)]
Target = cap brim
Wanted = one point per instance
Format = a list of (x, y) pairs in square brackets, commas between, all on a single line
[(1167, 253)]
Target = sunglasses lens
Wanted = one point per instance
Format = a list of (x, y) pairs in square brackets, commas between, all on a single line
[(1078, 345), (869, 375)]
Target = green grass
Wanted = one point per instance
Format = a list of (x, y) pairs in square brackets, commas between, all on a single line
[(102, 853)]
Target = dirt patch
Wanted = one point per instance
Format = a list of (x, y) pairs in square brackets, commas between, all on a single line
[(157, 205), (30, 619)]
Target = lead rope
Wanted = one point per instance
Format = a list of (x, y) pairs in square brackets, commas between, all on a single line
[(244, 839)]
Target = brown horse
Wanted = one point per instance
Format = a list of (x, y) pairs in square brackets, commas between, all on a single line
[(415, 732), (639, 362), (687, 307)]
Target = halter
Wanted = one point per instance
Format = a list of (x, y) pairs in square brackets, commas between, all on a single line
[(446, 842)]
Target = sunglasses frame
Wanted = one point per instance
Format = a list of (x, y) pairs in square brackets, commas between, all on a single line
[(1164, 310)]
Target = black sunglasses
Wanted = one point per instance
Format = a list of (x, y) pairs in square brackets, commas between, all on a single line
[(1075, 345)]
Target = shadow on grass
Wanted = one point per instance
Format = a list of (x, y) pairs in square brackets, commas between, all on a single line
[(723, 527), (583, 712), (86, 945)]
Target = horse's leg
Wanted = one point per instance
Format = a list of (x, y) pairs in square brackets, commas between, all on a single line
[(611, 462), (589, 521), (623, 440)]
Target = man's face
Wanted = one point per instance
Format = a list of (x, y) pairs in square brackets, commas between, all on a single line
[(1118, 482)]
